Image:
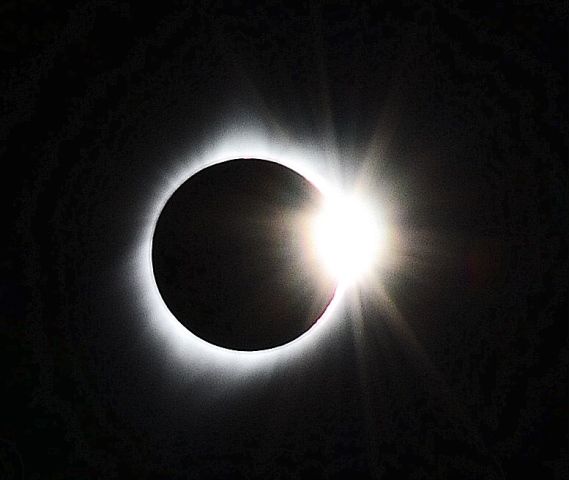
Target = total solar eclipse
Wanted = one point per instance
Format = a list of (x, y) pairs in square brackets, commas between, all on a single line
[(234, 258)]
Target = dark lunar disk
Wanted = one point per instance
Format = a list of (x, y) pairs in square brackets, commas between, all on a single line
[(232, 257)]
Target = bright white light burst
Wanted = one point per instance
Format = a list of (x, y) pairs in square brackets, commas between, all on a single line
[(348, 238)]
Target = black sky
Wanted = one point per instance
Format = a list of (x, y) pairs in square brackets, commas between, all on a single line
[(465, 111)]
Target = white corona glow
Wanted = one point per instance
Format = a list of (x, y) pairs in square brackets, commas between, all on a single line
[(174, 338), (348, 238), (194, 357)]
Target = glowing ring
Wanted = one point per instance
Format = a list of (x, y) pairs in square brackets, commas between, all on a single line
[(175, 339)]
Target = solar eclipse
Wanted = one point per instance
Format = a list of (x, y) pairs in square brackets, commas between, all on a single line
[(248, 254), (299, 241)]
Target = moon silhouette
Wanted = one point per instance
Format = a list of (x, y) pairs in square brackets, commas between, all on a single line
[(232, 258)]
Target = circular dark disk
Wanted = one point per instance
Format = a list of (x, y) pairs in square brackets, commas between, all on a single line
[(232, 258)]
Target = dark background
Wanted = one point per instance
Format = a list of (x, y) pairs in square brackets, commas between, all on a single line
[(470, 109)]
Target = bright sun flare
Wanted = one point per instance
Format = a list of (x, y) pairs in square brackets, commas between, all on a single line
[(348, 239)]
